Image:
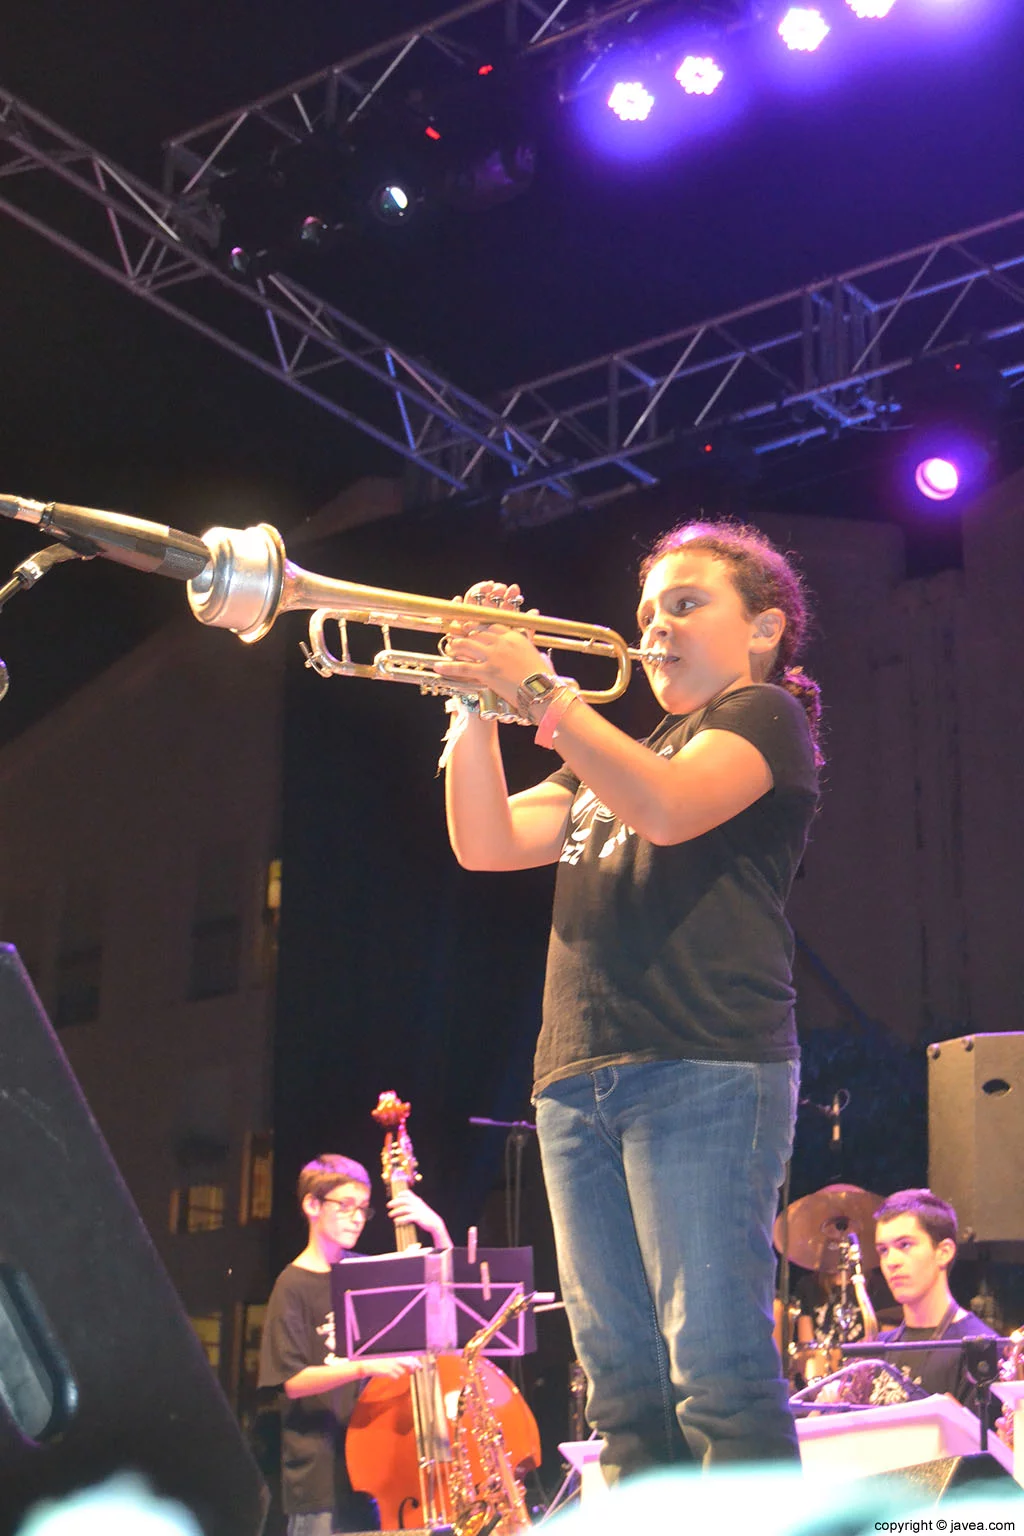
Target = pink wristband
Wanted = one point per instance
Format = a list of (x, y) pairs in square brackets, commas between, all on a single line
[(562, 700)]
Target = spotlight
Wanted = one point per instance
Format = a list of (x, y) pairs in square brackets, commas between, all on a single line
[(951, 459), (699, 77), (248, 263), (313, 231), (938, 479), (391, 203), (630, 101), (866, 9), (803, 28), (954, 405)]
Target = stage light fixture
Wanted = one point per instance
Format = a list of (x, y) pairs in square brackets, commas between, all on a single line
[(870, 9), (631, 101), (936, 478), (954, 405), (246, 263), (803, 28), (313, 231), (391, 203), (699, 76)]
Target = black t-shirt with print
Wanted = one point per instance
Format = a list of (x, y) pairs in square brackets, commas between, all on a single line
[(299, 1331), (681, 952), (940, 1370)]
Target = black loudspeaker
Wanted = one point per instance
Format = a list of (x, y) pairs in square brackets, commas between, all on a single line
[(976, 1133), (100, 1369), (931, 1481)]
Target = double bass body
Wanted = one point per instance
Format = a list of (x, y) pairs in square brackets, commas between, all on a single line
[(399, 1443), (381, 1447)]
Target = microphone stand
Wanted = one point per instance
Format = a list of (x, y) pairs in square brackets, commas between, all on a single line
[(29, 571), (519, 1133)]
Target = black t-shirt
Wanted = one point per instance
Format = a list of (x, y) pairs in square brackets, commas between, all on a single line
[(940, 1370), (681, 952), (299, 1331)]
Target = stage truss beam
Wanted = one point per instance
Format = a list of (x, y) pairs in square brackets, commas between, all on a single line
[(142, 239), (811, 363), (531, 33), (808, 364)]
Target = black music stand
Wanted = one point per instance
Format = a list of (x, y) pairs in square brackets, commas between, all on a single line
[(421, 1303)]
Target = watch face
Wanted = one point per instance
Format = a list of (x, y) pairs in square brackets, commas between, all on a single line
[(534, 689), (537, 684)]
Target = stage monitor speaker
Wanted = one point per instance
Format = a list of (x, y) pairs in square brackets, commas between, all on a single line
[(931, 1481), (976, 1133), (100, 1368)]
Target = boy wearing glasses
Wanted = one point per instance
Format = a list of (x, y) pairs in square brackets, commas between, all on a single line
[(317, 1387)]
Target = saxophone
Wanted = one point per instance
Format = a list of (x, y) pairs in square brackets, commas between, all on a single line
[(491, 1505)]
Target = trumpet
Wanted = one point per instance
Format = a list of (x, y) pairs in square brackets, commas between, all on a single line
[(249, 582)]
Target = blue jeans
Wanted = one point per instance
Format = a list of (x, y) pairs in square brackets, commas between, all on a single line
[(663, 1179)]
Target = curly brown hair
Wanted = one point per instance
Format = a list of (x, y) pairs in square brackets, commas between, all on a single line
[(765, 578)]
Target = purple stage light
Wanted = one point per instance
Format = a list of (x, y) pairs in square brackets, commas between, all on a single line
[(936, 478), (630, 101), (866, 9), (803, 28), (699, 77)]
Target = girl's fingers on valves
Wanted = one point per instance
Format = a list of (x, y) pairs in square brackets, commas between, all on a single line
[(496, 594)]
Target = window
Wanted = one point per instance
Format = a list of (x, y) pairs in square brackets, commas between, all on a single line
[(257, 1177), (216, 947), (253, 1318), (197, 1208), (79, 955), (209, 1329)]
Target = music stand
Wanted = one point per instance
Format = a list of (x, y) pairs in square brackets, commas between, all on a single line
[(421, 1303), (394, 1304)]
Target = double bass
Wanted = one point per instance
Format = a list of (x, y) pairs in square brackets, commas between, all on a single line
[(398, 1447)]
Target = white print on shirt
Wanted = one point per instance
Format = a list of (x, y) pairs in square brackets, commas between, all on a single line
[(326, 1332), (587, 815)]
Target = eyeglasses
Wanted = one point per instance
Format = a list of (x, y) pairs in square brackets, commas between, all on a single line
[(350, 1207)]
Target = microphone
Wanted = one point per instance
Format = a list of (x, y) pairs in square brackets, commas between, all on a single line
[(128, 540)]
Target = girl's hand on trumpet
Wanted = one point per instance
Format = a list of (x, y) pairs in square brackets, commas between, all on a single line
[(495, 656)]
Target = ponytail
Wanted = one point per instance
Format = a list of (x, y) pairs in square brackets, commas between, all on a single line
[(808, 693)]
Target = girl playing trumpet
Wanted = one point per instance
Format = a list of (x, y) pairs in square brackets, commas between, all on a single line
[(667, 1065)]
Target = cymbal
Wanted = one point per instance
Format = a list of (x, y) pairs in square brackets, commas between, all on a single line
[(817, 1224)]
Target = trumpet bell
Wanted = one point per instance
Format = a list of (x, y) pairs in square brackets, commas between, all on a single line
[(242, 586)]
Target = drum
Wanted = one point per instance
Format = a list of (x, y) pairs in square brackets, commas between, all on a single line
[(810, 1362)]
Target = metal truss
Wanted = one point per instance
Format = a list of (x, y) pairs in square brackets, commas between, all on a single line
[(807, 364), (815, 362), (155, 247), (457, 43)]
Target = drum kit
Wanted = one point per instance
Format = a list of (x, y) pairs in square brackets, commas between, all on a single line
[(830, 1233)]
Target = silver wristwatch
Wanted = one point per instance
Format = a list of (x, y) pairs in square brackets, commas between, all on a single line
[(536, 689)]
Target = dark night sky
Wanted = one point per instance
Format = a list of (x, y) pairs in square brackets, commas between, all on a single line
[(108, 403)]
